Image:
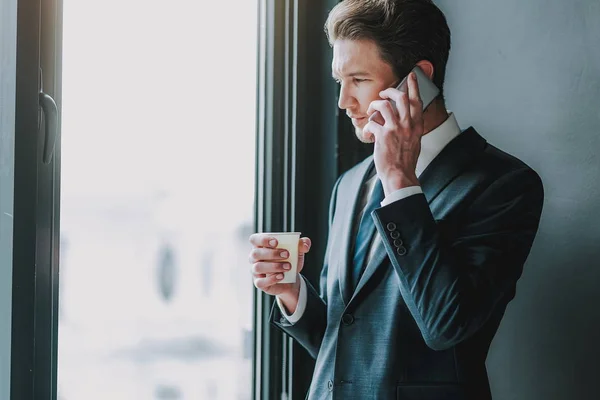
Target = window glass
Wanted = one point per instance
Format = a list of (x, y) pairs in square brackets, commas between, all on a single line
[(157, 193)]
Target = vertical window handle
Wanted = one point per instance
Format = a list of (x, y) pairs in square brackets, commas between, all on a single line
[(50, 126)]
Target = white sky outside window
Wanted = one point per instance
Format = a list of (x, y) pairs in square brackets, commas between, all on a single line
[(158, 136)]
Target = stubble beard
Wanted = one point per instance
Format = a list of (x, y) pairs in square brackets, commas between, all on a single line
[(361, 136)]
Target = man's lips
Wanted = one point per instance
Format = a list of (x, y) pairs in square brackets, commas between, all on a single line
[(357, 119)]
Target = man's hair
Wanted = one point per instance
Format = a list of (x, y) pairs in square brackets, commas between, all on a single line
[(405, 31)]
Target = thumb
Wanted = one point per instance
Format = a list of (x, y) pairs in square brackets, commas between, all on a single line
[(303, 248), (300, 262)]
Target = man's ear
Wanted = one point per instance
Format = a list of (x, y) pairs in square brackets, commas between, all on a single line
[(427, 67)]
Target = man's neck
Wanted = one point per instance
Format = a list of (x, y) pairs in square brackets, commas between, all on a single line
[(434, 116)]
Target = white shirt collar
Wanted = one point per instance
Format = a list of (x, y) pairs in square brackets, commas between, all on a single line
[(434, 142)]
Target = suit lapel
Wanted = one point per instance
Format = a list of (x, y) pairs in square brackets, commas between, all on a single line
[(453, 159), (352, 195)]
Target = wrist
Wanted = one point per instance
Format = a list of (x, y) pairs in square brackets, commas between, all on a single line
[(399, 181), (289, 298)]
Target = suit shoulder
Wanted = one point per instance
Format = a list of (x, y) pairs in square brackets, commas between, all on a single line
[(498, 163)]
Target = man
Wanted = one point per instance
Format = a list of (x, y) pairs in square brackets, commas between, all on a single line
[(427, 238)]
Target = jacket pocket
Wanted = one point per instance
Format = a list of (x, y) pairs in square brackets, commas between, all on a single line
[(449, 391)]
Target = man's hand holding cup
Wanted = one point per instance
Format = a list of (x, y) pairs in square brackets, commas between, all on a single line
[(277, 259)]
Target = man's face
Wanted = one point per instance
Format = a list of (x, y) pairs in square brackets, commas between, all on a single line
[(362, 74)]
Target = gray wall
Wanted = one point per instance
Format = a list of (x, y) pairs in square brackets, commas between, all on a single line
[(526, 74), (8, 18)]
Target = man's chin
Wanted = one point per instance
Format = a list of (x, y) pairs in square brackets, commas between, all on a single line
[(360, 135)]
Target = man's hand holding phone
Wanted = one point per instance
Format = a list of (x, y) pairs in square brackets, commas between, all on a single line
[(398, 136)]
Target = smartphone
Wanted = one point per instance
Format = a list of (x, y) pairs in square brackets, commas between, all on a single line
[(427, 90)]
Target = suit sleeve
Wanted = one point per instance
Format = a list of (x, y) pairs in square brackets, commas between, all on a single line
[(455, 275), (310, 328)]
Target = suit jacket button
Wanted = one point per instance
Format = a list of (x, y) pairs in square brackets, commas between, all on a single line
[(391, 226), (330, 386), (401, 251), (398, 242), (395, 235), (347, 319)]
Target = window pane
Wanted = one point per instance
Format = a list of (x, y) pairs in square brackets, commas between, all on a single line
[(158, 147)]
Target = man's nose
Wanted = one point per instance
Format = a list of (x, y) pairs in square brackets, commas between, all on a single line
[(346, 100)]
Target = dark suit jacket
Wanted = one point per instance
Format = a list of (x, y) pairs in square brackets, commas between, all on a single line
[(421, 320)]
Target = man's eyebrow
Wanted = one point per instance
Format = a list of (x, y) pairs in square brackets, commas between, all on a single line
[(356, 73)]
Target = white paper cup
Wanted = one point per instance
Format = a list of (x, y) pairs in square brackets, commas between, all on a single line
[(288, 241)]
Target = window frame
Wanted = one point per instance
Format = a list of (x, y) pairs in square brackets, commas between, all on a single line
[(36, 204), (302, 147)]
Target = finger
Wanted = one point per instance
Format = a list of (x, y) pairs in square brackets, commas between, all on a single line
[(263, 240), (385, 108), (261, 268), (372, 130), (268, 281), (376, 116), (390, 93), (414, 97), (265, 254), (304, 245), (400, 98)]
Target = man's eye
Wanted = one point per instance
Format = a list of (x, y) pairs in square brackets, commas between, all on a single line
[(354, 80)]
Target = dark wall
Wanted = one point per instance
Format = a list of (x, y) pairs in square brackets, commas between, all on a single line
[(526, 75)]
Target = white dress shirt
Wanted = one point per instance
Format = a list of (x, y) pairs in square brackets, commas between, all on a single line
[(431, 145)]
